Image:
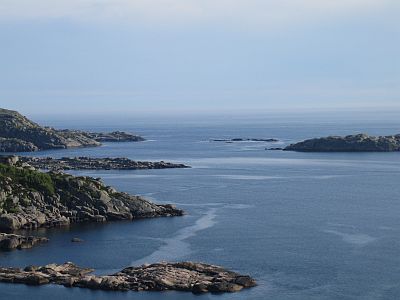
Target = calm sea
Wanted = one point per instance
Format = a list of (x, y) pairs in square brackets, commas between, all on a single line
[(305, 225)]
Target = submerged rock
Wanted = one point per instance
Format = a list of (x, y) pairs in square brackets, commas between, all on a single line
[(350, 143), (184, 276), (77, 240)]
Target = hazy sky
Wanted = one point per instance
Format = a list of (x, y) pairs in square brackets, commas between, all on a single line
[(198, 55)]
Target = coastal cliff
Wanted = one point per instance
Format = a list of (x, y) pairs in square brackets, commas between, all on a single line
[(350, 143), (19, 134)]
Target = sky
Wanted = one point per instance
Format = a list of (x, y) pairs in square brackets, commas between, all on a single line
[(174, 56)]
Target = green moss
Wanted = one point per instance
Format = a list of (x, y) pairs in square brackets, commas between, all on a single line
[(30, 179)]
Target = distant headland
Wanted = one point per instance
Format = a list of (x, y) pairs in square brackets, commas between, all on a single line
[(19, 134)]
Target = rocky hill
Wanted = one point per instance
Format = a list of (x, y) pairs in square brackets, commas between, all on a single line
[(350, 143), (30, 199), (19, 134)]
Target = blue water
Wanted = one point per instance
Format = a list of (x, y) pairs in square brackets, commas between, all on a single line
[(305, 225)]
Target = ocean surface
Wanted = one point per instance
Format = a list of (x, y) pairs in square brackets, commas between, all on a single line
[(304, 225)]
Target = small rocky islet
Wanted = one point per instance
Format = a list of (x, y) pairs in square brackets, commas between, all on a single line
[(19, 134), (235, 140), (349, 143), (181, 276)]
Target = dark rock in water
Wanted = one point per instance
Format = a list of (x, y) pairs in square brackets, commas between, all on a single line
[(350, 143), (244, 140), (184, 276), (88, 163), (15, 241), (274, 149), (18, 134), (77, 240), (30, 199)]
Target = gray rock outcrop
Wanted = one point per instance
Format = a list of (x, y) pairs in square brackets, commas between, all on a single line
[(15, 241)]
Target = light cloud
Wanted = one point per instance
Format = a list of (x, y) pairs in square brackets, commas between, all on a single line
[(242, 12)]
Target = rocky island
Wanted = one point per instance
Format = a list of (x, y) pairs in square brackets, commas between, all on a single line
[(19, 134), (350, 143), (89, 163), (30, 199), (183, 276)]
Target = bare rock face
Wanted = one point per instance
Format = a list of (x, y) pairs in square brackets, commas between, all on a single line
[(350, 143), (19, 134), (184, 276), (15, 241)]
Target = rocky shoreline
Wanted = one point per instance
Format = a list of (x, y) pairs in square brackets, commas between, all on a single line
[(19, 134), (350, 143), (184, 276), (88, 163)]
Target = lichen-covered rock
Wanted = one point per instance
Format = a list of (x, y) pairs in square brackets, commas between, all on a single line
[(184, 276), (350, 143)]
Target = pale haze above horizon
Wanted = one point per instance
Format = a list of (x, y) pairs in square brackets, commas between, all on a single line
[(91, 56)]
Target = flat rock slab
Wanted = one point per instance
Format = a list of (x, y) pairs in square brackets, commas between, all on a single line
[(183, 276)]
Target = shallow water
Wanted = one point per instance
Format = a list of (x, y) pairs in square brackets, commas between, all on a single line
[(305, 225)]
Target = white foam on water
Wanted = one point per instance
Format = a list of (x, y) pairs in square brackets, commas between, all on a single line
[(177, 247), (359, 239), (239, 206)]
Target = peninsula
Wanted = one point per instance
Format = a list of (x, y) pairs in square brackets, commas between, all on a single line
[(30, 199), (90, 163), (19, 134)]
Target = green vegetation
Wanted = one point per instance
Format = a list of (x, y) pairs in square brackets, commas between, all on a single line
[(34, 180)]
